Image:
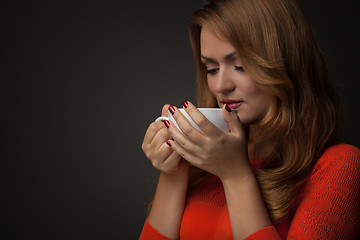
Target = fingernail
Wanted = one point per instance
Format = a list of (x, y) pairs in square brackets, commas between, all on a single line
[(172, 109), (227, 108), (168, 143), (185, 104), (167, 123)]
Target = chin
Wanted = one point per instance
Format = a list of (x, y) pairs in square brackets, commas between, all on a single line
[(248, 121)]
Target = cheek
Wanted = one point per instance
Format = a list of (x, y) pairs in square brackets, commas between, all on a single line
[(211, 86), (252, 89), (249, 85), (261, 99), (263, 102)]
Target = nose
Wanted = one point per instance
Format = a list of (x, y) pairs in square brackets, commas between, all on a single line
[(224, 81)]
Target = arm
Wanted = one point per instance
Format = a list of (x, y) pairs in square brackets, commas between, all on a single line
[(247, 210), (168, 206), (224, 155), (169, 201), (330, 200), (167, 209)]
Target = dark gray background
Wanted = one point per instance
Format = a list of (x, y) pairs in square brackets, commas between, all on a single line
[(81, 82)]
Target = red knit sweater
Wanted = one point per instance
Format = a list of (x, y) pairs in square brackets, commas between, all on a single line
[(328, 205)]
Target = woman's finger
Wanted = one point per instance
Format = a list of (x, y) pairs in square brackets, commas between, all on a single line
[(155, 126), (168, 160), (187, 129), (232, 120), (207, 127), (164, 151), (182, 152), (151, 132), (181, 139), (161, 137), (161, 155), (172, 163), (164, 111)]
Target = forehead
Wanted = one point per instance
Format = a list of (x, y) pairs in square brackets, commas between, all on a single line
[(212, 44)]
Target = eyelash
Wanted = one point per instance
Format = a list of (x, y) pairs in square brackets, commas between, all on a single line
[(215, 70), (239, 68), (211, 71)]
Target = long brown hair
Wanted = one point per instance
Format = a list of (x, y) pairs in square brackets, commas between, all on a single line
[(281, 53)]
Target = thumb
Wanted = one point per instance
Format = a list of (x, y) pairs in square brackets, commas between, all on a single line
[(232, 120), (164, 111)]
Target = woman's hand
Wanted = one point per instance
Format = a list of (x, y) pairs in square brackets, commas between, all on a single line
[(158, 151), (170, 197), (223, 154)]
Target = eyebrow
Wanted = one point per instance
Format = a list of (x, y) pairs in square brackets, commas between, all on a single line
[(227, 57)]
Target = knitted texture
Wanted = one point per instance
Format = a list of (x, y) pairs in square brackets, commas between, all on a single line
[(328, 205)]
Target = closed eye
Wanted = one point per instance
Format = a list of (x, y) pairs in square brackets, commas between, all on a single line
[(239, 68), (212, 71)]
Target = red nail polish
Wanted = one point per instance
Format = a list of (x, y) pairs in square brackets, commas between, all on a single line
[(167, 123), (185, 104), (168, 143), (227, 108), (172, 109)]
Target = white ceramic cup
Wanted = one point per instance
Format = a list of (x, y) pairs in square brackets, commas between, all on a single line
[(214, 115)]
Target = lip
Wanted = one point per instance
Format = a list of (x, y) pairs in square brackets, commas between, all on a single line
[(232, 103)]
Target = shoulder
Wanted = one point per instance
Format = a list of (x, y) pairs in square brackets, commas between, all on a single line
[(342, 149), (328, 204), (339, 157), (336, 174)]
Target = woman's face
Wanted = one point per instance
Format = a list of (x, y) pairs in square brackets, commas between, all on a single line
[(228, 81)]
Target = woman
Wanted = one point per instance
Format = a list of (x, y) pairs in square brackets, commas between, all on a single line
[(280, 172)]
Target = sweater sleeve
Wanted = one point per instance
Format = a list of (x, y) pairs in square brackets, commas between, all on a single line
[(150, 233), (328, 206), (269, 233), (329, 202)]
